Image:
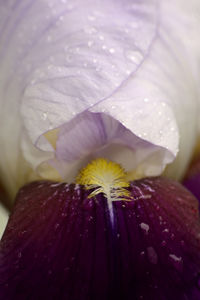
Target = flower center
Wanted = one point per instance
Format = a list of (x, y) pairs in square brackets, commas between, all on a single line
[(105, 177)]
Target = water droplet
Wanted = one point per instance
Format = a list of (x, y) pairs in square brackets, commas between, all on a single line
[(101, 37), (64, 215), (175, 258), (56, 226), (90, 43), (182, 243), (152, 255), (90, 30), (163, 243), (177, 261), (44, 116), (157, 207), (142, 253), (144, 134), (134, 56), (172, 236), (145, 227), (112, 50), (91, 18), (22, 233)]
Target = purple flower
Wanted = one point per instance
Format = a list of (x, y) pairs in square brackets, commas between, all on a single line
[(99, 81), (61, 244)]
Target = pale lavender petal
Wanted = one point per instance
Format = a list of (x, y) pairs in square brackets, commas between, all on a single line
[(97, 135), (127, 60)]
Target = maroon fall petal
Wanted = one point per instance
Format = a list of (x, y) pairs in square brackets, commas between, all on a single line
[(192, 178), (60, 244)]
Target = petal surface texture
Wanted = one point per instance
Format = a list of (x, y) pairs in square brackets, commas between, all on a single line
[(60, 244), (125, 72)]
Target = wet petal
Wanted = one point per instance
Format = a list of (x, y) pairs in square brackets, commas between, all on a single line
[(60, 244), (61, 60)]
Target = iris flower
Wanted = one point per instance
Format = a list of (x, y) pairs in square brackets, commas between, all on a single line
[(99, 100)]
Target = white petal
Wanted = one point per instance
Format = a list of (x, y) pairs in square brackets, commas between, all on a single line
[(129, 61)]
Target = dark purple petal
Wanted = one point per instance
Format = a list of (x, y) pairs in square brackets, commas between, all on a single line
[(192, 178), (60, 244)]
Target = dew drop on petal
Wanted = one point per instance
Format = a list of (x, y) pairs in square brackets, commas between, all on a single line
[(177, 261), (142, 254), (152, 255), (144, 227), (172, 236), (134, 56), (112, 50), (163, 243)]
